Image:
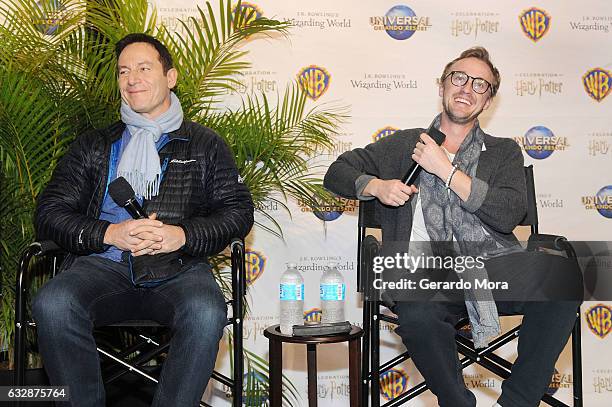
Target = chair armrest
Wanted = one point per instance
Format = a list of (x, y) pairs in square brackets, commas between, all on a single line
[(370, 247), (48, 247), (238, 266), (22, 283), (36, 249), (550, 242)]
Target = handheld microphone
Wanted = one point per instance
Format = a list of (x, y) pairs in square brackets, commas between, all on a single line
[(415, 168), (123, 194)]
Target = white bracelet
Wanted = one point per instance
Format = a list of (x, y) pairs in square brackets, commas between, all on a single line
[(450, 176)]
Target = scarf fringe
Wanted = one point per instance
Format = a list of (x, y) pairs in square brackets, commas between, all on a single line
[(146, 188)]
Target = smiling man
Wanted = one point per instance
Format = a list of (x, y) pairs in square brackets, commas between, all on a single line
[(156, 269), (470, 196)]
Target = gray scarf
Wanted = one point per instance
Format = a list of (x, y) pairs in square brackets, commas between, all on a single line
[(139, 163), (444, 218)]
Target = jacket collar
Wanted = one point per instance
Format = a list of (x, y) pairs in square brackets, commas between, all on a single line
[(180, 133), (115, 130)]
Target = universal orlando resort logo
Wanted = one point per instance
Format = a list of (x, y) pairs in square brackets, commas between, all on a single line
[(400, 22)]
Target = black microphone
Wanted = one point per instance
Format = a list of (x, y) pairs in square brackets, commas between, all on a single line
[(415, 168), (123, 194)]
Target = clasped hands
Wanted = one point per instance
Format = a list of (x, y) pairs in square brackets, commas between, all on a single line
[(429, 156), (145, 236)]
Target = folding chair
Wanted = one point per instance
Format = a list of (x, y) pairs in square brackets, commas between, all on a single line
[(368, 248), (146, 346)]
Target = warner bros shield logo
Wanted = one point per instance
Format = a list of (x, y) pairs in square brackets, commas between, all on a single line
[(597, 83), (535, 23), (599, 320), (255, 264), (314, 81)]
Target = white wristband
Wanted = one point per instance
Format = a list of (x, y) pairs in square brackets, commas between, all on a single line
[(450, 176)]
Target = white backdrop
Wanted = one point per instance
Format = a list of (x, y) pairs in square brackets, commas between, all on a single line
[(545, 58)]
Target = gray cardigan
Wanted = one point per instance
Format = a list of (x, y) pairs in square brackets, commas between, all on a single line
[(498, 195)]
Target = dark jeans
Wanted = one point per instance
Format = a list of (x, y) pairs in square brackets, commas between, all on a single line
[(428, 332), (96, 291)]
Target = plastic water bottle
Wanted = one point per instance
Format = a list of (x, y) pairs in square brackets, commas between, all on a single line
[(333, 294), (291, 299)]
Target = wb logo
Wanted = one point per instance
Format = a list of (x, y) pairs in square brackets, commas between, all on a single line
[(255, 391), (393, 383), (384, 132), (52, 12), (255, 263), (312, 315), (314, 80), (597, 83), (246, 14), (599, 319), (534, 23)]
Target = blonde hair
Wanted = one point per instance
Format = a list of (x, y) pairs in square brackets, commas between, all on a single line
[(481, 54)]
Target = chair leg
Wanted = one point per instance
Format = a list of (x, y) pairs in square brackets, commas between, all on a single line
[(238, 373), (21, 289), (577, 361), (19, 354), (375, 354), (238, 298), (365, 352)]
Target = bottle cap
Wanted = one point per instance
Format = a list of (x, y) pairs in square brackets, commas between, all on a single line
[(291, 265)]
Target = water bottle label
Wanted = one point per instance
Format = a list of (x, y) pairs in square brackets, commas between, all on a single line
[(292, 292), (333, 292)]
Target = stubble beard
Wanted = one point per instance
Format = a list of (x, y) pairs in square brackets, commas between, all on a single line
[(460, 119)]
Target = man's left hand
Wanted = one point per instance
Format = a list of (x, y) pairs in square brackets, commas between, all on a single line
[(173, 238), (431, 157)]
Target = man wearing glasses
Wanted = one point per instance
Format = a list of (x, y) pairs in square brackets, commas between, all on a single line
[(472, 190)]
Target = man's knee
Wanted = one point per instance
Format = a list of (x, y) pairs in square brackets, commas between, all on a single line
[(54, 305), (418, 320), (198, 313), (415, 314)]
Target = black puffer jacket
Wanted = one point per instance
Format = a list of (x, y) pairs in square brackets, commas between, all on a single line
[(201, 191)]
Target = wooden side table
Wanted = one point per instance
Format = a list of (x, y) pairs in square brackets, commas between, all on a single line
[(276, 340)]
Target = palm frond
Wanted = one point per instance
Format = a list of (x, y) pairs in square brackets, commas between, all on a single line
[(33, 131), (273, 145), (207, 55)]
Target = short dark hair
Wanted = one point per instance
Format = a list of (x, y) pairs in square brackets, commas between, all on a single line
[(481, 54), (164, 55)]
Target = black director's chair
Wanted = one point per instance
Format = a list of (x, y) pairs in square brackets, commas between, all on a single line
[(150, 339), (368, 248)]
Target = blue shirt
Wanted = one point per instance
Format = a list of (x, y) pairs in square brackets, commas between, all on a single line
[(110, 210)]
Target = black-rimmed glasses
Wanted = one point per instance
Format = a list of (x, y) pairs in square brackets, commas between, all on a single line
[(460, 78)]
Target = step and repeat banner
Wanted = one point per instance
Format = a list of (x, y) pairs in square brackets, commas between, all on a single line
[(382, 59)]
